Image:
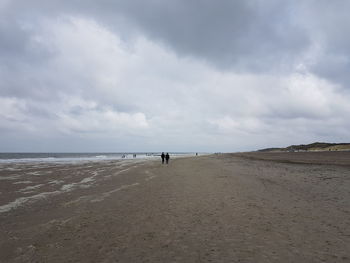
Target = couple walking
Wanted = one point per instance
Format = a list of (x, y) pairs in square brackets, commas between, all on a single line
[(166, 157)]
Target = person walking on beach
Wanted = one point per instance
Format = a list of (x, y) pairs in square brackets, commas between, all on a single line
[(163, 156), (167, 157)]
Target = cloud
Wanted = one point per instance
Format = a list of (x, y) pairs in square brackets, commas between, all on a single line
[(327, 24), (184, 75), (243, 35)]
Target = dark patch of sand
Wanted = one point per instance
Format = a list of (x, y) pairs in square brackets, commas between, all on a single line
[(321, 157)]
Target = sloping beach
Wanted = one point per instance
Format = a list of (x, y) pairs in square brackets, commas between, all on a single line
[(217, 208)]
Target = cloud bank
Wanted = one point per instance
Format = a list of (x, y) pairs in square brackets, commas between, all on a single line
[(179, 76)]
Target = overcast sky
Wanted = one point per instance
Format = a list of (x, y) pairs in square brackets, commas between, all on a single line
[(180, 75)]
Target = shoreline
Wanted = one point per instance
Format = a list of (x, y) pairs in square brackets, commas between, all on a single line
[(79, 158)]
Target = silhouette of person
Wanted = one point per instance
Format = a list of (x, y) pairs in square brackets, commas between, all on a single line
[(163, 156), (167, 157)]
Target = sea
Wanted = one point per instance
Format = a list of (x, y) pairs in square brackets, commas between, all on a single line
[(81, 157)]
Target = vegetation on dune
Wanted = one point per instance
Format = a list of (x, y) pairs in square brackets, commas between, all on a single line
[(316, 146)]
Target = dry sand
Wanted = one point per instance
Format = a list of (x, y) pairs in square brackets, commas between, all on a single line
[(223, 208)]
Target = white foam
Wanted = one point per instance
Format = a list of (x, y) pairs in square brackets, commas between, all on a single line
[(65, 188), (117, 173), (33, 173), (107, 194), (23, 182), (14, 177), (29, 188), (101, 156), (81, 198), (12, 169), (128, 162), (87, 180), (68, 187), (22, 200), (56, 182), (85, 183), (150, 177)]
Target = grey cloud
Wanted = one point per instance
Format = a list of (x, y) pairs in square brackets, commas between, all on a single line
[(22, 56), (242, 35), (246, 36), (231, 34), (335, 67), (62, 84), (12, 40), (328, 24)]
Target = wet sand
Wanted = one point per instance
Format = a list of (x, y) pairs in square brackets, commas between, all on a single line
[(220, 208)]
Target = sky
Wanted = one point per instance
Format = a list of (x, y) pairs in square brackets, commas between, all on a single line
[(181, 75)]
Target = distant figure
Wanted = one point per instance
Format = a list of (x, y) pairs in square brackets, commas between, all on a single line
[(167, 157), (134, 155), (163, 156), (196, 154)]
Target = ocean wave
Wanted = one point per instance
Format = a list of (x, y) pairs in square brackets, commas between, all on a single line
[(101, 156), (8, 158)]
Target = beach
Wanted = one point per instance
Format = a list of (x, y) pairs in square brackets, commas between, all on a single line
[(244, 207)]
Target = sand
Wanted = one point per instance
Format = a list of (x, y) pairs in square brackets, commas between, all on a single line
[(220, 208)]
